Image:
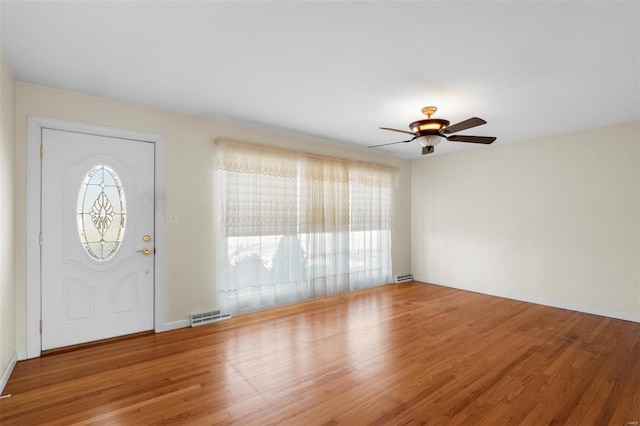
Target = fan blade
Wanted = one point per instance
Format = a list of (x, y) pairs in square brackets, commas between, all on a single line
[(397, 130), (464, 125), (473, 139), (393, 143)]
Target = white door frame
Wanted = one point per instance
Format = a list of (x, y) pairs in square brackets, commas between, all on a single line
[(34, 171)]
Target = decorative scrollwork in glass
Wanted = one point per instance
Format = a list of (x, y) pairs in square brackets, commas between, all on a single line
[(101, 213)]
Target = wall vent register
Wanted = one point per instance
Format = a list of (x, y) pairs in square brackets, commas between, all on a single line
[(208, 318), (404, 278)]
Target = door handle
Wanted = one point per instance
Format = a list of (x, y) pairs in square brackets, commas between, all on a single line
[(146, 252)]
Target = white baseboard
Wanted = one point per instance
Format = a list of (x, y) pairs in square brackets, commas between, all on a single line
[(176, 325), (553, 303), (7, 372), (22, 354)]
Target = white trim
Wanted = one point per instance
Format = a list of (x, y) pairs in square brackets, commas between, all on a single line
[(552, 303), (22, 354), (34, 140), (177, 324), (7, 372)]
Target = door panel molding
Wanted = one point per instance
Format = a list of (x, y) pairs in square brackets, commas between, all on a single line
[(34, 169)]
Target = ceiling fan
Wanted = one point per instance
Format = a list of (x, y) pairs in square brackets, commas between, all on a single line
[(428, 132)]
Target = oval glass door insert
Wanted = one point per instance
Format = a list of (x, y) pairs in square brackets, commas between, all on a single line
[(102, 211)]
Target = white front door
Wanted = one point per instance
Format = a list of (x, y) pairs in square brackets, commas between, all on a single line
[(97, 221)]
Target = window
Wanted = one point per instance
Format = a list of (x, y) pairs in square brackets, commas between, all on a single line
[(101, 213), (296, 226)]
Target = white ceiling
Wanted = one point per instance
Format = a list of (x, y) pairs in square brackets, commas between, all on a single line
[(339, 70)]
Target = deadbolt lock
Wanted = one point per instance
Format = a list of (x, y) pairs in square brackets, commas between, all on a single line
[(146, 238)]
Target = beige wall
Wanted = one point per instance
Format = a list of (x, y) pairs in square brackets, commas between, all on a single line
[(7, 192), (553, 220), (190, 152)]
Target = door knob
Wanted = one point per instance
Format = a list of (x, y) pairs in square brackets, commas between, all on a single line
[(146, 252)]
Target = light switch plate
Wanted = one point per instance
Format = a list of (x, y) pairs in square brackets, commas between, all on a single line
[(170, 218)]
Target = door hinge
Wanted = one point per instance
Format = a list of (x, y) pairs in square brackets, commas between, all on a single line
[(41, 327), (40, 239), (41, 151)]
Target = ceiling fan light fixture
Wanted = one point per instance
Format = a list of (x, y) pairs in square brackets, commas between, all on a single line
[(429, 131), (431, 140), (429, 125)]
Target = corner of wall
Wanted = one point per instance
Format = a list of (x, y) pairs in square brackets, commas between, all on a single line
[(8, 355), (6, 373)]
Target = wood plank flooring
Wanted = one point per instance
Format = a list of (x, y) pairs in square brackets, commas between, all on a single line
[(406, 354)]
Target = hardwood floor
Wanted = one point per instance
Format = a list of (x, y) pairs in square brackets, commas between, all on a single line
[(401, 354)]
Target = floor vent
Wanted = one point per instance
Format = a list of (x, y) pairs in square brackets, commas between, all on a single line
[(404, 278), (208, 318)]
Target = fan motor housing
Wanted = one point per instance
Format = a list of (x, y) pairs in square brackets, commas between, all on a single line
[(430, 126)]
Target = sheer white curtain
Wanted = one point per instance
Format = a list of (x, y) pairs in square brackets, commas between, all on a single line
[(324, 224), (296, 227), (370, 236), (261, 263)]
